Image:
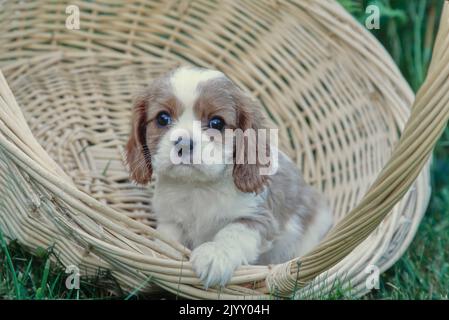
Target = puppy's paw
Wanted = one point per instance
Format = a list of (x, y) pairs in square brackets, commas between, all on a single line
[(214, 264)]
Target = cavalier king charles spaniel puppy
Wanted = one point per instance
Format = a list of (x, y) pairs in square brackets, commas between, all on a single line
[(229, 212)]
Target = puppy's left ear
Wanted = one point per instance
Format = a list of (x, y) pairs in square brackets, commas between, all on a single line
[(138, 155), (247, 177)]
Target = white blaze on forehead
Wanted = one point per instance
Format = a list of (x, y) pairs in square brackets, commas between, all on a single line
[(185, 82)]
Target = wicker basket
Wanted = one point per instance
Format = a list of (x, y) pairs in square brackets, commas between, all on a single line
[(335, 94)]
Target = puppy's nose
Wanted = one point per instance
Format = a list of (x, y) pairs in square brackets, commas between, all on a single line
[(184, 143)]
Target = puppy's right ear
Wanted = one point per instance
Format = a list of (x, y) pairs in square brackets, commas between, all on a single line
[(138, 157)]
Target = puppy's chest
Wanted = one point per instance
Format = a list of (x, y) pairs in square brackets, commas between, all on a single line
[(202, 211)]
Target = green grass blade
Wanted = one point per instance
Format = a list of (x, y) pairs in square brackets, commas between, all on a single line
[(11, 266)]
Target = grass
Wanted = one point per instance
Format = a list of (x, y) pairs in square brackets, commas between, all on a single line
[(407, 31), (26, 276)]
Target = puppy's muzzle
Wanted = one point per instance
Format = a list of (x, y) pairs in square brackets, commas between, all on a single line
[(184, 145)]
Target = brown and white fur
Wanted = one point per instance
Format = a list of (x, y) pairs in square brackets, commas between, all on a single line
[(228, 214)]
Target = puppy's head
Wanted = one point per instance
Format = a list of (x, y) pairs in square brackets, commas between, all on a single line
[(181, 125)]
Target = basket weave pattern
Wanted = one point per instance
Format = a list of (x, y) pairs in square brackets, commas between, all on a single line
[(337, 98)]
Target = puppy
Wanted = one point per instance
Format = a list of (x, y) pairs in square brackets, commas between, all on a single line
[(229, 212)]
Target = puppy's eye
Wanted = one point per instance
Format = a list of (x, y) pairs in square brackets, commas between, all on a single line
[(216, 123), (163, 119)]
